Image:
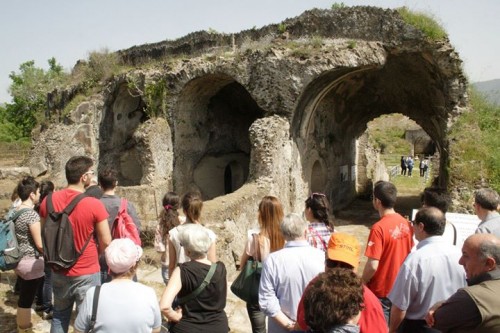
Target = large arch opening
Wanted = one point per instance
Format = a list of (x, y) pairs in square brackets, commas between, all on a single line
[(212, 145), (335, 108), (117, 146)]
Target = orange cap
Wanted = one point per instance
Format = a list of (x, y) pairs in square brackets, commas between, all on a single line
[(345, 248)]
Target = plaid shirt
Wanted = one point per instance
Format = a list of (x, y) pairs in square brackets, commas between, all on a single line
[(318, 235)]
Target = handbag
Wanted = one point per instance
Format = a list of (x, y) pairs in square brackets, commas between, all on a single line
[(246, 285)]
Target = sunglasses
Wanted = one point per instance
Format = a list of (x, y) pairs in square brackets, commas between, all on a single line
[(317, 194)]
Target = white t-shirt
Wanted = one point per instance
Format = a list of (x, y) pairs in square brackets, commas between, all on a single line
[(124, 306), (179, 250)]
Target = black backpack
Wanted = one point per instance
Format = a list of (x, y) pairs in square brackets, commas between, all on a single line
[(59, 249)]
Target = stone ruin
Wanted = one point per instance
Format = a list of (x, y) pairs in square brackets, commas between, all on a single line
[(281, 110)]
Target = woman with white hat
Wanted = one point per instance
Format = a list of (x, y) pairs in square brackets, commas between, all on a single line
[(123, 305)]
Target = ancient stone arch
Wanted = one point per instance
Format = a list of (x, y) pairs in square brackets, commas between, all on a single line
[(212, 118), (261, 112)]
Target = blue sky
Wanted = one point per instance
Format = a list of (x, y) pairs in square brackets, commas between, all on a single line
[(69, 30)]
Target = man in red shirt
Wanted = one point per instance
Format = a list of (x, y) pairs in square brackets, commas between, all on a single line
[(389, 242), (343, 252), (89, 217)]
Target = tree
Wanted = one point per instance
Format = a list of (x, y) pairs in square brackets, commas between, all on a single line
[(29, 90)]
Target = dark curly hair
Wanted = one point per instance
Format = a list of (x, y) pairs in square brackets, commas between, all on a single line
[(333, 298)]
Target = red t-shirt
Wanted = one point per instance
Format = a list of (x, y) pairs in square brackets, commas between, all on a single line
[(83, 218), (390, 241), (372, 318)]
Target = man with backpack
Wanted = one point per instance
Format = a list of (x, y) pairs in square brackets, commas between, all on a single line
[(123, 220), (87, 218)]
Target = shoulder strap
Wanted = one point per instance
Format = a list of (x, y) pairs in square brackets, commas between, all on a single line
[(454, 233), (19, 212), (69, 208), (95, 303), (257, 247), (200, 288), (123, 205)]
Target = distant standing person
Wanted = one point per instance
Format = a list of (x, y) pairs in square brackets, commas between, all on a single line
[(410, 163), (486, 204), (403, 166), (88, 218), (286, 273), (260, 243), (30, 269), (191, 206), (428, 275), (389, 242), (108, 181), (169, 219), (124, 306), (421, 166), (44, 293), (317, 214)]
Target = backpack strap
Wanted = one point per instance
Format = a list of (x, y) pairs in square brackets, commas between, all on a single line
[(69, 208), (201, 287), (18, 213), (123, 205), (95, 303)]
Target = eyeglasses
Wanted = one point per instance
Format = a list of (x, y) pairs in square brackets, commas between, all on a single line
[(318, 194), (91, 172)]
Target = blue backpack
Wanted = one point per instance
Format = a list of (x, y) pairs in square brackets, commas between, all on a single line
[(10, 254)]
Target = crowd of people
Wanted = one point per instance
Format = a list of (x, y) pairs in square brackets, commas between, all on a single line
[(408, 162), (416, 278)]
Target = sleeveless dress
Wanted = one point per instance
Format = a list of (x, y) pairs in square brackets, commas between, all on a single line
[(205, 313)]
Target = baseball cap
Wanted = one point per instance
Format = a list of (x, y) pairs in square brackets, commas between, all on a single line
[(345, 248), (122, 254)]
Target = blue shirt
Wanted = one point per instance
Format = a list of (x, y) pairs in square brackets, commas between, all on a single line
[(285, 275), (428, 275)]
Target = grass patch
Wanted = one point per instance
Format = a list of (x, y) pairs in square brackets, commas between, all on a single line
[(425, 22), (475, 157)]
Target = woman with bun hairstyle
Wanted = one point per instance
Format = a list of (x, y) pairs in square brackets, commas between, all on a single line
[(262, 241)]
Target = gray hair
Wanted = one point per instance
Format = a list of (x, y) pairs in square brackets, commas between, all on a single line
[(293, 227), (490, 248), (195, 239), (487, 198)]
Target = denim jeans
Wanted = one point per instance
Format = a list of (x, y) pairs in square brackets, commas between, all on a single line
[(386, 307), (69, 290), (44, 293), (257, 318)]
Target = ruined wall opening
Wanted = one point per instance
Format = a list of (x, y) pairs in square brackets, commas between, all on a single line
[(124, 112), (334, 110), (212, 145), (318, 178)]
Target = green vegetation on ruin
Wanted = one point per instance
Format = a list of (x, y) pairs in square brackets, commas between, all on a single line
[(425, 22)]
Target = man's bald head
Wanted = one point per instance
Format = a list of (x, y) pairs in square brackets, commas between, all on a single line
[(480, 254)]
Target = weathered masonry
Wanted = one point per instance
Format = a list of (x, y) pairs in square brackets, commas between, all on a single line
[(279, 110)]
